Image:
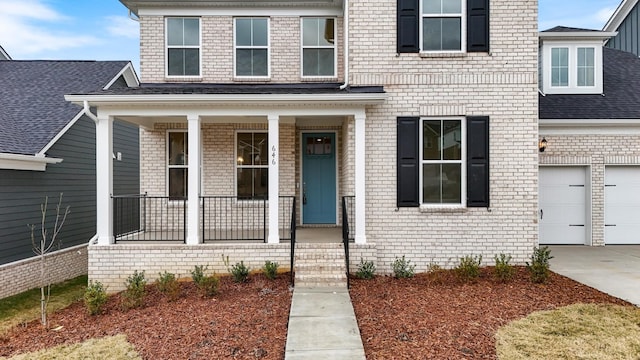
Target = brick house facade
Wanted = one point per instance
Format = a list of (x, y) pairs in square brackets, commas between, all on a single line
[(478, 98)]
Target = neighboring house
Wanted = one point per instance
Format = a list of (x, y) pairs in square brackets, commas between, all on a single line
[(47, 147), (420, 118), (4, 55), (590, 119), (626, 22)]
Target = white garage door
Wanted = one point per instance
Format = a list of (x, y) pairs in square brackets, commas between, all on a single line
[(622, 205), (562, 214)]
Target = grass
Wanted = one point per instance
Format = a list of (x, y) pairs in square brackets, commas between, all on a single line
[(581, 331), (25, 307), (110, 347)]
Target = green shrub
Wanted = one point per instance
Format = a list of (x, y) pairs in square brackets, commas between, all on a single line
[(366, 270), (240, 272), (402, 268), (95, 296), (198, 274), (503, 270), (270, 269), (209, 285), (539, 267), (468, 269), (135, 291), (168, 285)]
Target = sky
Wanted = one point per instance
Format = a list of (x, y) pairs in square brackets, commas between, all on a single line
[(102, 29)]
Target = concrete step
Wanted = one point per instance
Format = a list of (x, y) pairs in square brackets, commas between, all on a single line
[(320, 265)]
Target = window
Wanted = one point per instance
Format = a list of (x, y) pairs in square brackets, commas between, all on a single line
[(560, 67), (177, 163), (586, 66), (442, 25), (183, 46), (252, 165), (252, 46), (318, 47), (442, 165)]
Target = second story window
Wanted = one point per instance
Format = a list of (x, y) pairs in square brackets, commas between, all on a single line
[(252, 47), (586, 66), (443, 25), (183, 46), (560, 66), (318, 47)]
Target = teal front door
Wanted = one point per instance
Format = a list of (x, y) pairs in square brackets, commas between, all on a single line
[(319, 178)]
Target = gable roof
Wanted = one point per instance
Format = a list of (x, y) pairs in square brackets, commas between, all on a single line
[(619, 15), (3, 54), (566, 29), (620, 98), (34, 110)]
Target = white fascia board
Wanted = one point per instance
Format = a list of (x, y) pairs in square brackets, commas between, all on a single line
[(619, 15), (222, 99), (130, 77), (26, 162), (60, 134), (243, 11), (577, 35), (588, 126)]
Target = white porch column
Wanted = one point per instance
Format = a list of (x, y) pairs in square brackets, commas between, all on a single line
[(104, 179), (360, 178), (193, 181), (274, 178)]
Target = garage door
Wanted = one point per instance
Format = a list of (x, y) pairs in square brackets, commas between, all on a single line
[(622, 205), (562, 214)]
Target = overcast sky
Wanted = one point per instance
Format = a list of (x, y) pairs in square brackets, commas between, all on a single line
[(102, 30)]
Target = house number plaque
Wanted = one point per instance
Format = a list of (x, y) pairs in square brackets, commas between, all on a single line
[(273, 155)]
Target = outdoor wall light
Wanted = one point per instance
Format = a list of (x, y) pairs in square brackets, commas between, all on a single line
[(542, 145)]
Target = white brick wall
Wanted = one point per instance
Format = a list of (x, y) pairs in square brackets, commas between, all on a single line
[(595, 151), (24, 275)]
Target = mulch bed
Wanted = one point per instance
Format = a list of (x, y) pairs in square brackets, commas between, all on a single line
[(429, 317), (419, 318)]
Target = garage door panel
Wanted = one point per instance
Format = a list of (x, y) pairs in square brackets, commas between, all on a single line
[(562, 201), (622, 205)]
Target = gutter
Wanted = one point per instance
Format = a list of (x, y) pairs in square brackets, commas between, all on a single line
[(87, 111), (346, 45)]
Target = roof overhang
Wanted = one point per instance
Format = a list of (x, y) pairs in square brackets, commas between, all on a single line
[(4, 55), (589, 126), (135, 5), (26, 162), (577, 35), (129, 75), (619, 15)]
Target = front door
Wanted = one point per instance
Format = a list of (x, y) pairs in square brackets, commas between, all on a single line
[(319, 178)]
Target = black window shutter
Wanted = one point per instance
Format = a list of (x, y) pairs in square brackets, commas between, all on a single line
[(408, 162), (478, 161), (408, 25), (478, 25)]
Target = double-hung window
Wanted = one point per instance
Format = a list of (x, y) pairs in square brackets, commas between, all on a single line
[(177, 164), (443, 170), (318, 47), (586, 66), (252, 165), (252, 47), (183, 46), (560, 66), (443, 25)]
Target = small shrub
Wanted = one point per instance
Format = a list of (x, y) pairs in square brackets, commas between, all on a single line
[(468, 269), (366, 270), (240, 272), (436, 273), (270, 269), (503, 270), (198, 274), (209, 285), (134, 294), (539, 267), (402, 268), (95, 296), (168, 285)]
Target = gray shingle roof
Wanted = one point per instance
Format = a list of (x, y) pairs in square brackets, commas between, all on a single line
[(567, 29), (32, 93), (621, 87)]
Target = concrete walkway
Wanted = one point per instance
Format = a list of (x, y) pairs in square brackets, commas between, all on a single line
[(322, 325), (613, 269)]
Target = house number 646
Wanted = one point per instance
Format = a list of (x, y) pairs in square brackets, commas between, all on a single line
[(273, 155)]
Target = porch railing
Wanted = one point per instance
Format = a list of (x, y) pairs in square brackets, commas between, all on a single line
[(348, 213), (149, 218)]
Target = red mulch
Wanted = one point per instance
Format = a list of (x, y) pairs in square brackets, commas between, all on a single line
[(429, 318), (418, 318)]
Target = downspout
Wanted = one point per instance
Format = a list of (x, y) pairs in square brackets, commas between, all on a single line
[(88, 112), (346, 45)]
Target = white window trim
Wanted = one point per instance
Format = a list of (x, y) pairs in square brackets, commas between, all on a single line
[(585, 67), (236, 47), (236, 166), (334, 47), (167, 47), (463, 29), (572, 88), (462, 162)]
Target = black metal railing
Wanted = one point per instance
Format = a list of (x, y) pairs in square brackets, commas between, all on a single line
[(293, 239), (141, 217), (348, 213)]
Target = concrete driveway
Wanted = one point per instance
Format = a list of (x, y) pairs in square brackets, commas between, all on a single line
[(613, 269)]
